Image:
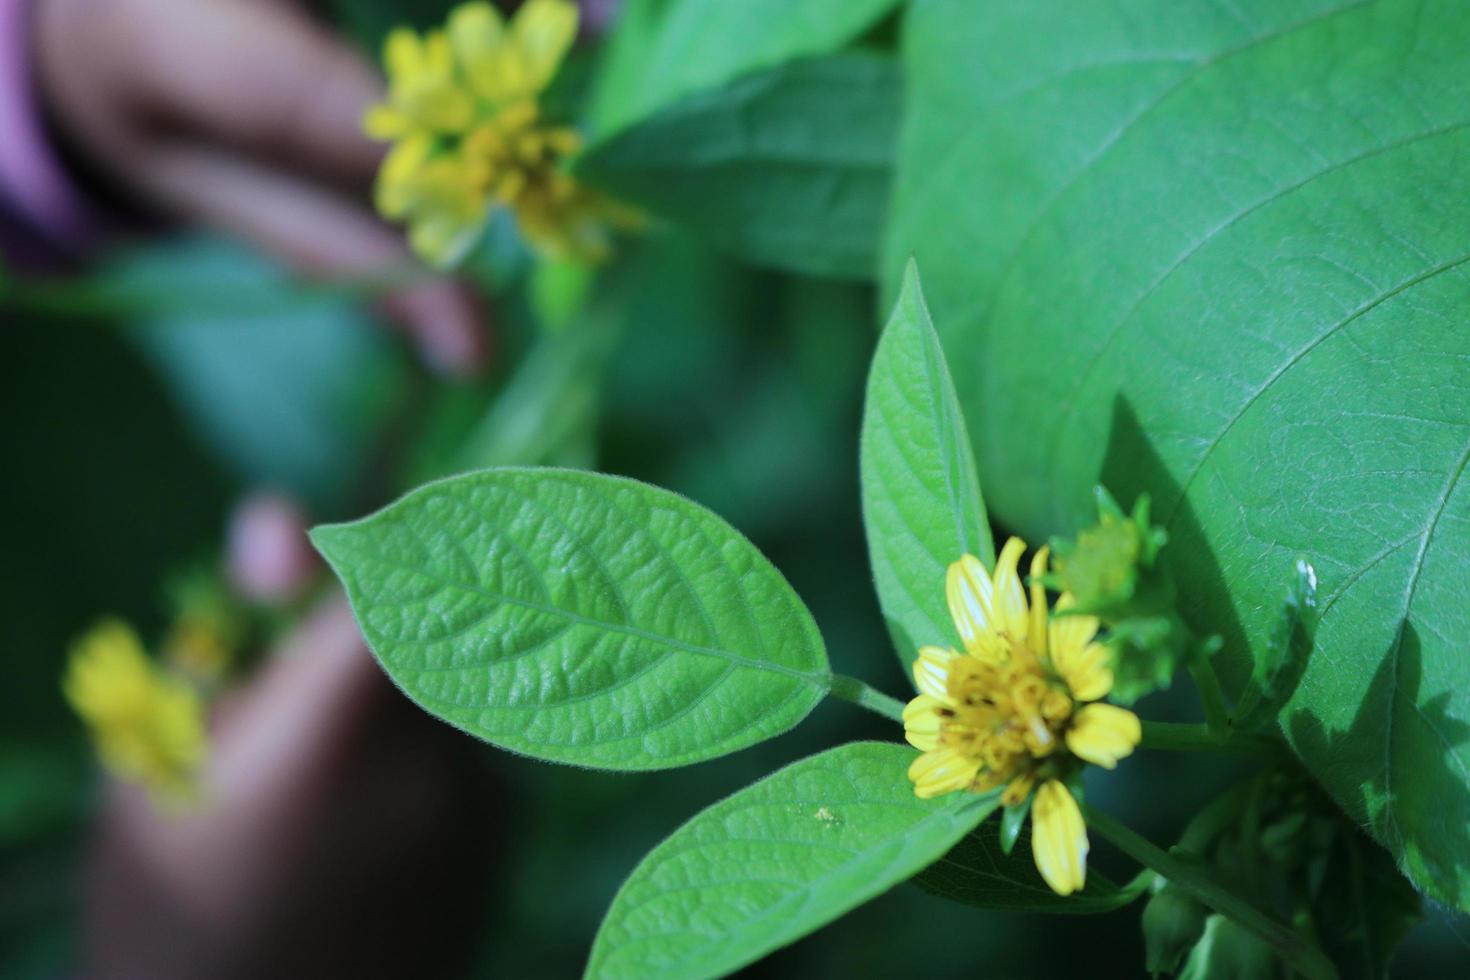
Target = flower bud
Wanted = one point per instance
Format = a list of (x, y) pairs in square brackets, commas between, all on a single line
[(1172, 924), (1226, 951)]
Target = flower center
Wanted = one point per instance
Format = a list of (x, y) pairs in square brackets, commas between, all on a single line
[(1010, 713)]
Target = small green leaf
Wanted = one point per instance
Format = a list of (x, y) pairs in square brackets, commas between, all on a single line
[(580, 618), (1282, 659), (787, 168), (979, 871), (664, 50), (1012, 822), (922, 506), (775, 861)]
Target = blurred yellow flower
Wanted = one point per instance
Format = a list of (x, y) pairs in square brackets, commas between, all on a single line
[(469, 136), (1014, 708), (148, 726)]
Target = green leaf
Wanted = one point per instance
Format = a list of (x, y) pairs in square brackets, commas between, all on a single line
[(221, 324), (663, 50), (1012, 822), (775, 861), (978, 871), (580, 618), (1283, 659), (788, 168), (1221, 254), (922, 506)]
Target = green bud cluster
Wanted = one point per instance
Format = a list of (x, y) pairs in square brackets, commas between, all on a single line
[(1114, 571)]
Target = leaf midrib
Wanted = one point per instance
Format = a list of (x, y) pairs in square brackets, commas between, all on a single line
[(821, 680)]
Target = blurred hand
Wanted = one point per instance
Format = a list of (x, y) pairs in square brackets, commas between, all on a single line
[(243, 115), (336, 836)]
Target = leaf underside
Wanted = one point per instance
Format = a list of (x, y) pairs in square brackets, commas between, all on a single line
[(978, 872)]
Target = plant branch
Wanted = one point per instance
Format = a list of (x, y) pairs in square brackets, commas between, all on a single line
[(859, 693), (1200, 738), (1299, 954)]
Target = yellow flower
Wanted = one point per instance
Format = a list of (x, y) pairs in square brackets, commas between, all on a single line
[(148, 727), (1015, 709), (470, 136)]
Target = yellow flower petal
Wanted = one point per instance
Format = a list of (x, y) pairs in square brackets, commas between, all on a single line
[(931, 671), (442, 240), (403, 55), (1059, 838), (544, 31), (477, 34), (1038, 627), (968, 589), (393, 189), (941, 771), (1103, 733), (384, 122), (1084, 670), (1070, 633), (1008, 612), (921, 722)]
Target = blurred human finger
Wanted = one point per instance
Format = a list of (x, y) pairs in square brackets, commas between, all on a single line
[(267, 555)]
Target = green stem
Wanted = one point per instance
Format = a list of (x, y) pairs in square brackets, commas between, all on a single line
[(859, 693), (1211, 695), (1200, 738), (1298, 953)]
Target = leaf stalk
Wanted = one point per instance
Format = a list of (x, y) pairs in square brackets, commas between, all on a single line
[(863, 695)]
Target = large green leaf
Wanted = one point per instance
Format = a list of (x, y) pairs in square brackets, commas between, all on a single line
[(580, 618), (921, 498), (788, 167), (1218, 252), (775, 861), (663, 50)]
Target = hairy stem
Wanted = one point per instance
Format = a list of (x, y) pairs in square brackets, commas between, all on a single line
[(1299, 954), (859, 693)]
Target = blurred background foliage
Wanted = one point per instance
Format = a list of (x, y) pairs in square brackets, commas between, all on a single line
[(144, 396)]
